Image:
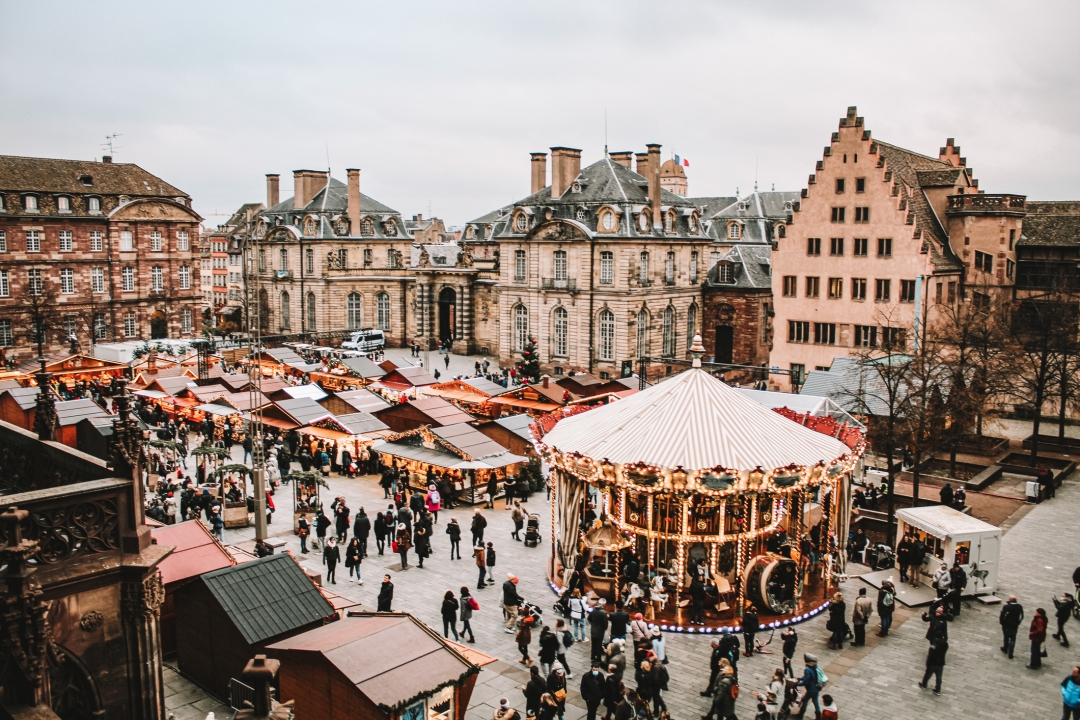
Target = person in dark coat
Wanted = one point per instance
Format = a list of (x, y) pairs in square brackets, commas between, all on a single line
[(556, 681), (342, 517), (380, 531), (423, 542), (331, 557), (614, 696), (697, 601), (404, 542), (386, 595), (946, 495), (491, 490), (533, 690), (1012, 614), (322, 524), (549, 648), (353, 556), (598, 625), (837, 622), (935, 663), (479, 522), (1037, 636), (750, 626), (449, 615), (958, 583), (592, 690), (1063, 611), (903, 556), (454, 531), (361, 530)]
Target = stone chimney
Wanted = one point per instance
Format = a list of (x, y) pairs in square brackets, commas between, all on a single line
[(106, 159), (623, 158), (273, 189), (545, 381), (565, 166), (642, 164), (354, 201), (539, 172), (305, 184), (654, 180)]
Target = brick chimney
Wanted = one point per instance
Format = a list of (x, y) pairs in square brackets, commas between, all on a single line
[(642, 164), (539, 172), (305, 184), (654, 180), (106, 158), (546, 380), (623, 158), (354, 201), (565, 166), (273, 189)]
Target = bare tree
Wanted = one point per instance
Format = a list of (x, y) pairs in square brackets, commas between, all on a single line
[(40, 319)]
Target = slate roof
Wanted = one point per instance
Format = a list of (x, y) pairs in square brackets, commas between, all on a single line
[(50, 175), (330, 204), (362, 422), (303, 410), (517, 424), (268, 597), (25, 397), (469, 440), (362, 367), (1051, 224), (445, 255), (70, 412), (363, 400), (751, 268)]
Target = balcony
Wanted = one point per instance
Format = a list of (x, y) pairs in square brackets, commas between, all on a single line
[(558, 284), (282, 275), (984, 204)]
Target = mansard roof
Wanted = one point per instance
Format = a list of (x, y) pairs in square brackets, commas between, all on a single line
[(757, 213), (332, 199), (329, 206), (751, 268)]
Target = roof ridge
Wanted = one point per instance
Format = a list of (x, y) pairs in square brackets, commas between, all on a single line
[(944, 165)]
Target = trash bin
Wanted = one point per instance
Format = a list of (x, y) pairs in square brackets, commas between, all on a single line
[(1032, 489)]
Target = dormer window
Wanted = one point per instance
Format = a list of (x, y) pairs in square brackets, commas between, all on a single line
[(367, 227), (124, 199), (93, 205), (63, 204), (581, 215), (669, 222), (725, 273), (575, 187), (470, 232), (86, 180), (309, 226), (439, 259), (781, 231), (692, 223), (521, 222), (643, 221), (181, 201), (390, 228), (30, 203), (608, 221), (734, 231)]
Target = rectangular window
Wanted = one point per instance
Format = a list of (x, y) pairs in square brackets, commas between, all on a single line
[(33, 241), (368, 257), (99, 327), (907, 291), (185, 320), (1012, 238), (65, 241), (33, 282), (127, 279), (126, 243), (5, 284), (798, 331), (93, 205), (95, 241), (30, 203), (391, 258), (155, 241), (862, 246), (97, 280), (3, 240), (813, 246), (839, 186), (262, 260), (129, 325), (283, 258), (790, 286), (952, 293), (63, 204), (560, 266), (825, 333), (343, 258), (938, 295), (519, 266), (836, 246), (669, 269), (862, 214), (836, 288), (882, 290), (1010, 269), (860, 185), (71, 325), (643, 268), (156, 279), (693, 268), (858, 288), (984, 261), (838, 214), (182, 240), (309, 257), (5, 333), (67, 281), (185, 277), (884, 247), (866, 336), (813, 287), (798, 373), (894, 338)]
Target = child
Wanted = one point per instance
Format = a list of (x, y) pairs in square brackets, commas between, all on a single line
[(829, 711)]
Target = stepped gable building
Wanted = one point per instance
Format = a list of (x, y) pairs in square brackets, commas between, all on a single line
[(115, 244), (879, 237)]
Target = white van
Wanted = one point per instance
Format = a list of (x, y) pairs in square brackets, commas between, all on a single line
[(367, 340)]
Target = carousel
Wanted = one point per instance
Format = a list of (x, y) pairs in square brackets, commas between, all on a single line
[(690, 490)]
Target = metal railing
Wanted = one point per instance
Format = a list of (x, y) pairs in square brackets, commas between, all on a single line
[(239, 693), (558, 284)]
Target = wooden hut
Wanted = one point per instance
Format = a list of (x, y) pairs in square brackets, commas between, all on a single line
[(350, 401), (512, 432), (433, 411), (345, 672), (18, 406), (70, 412)]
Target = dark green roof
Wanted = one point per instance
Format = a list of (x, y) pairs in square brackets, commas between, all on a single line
[(267, 598)]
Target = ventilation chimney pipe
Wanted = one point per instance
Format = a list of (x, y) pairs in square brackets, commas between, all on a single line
[(654, 180), (273, 189), (539, 172), (353, 206)]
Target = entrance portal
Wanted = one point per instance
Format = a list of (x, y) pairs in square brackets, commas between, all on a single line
[(158, 327), (725, 343), (447, 305)]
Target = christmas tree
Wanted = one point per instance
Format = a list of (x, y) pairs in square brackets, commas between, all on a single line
[(529, 367)]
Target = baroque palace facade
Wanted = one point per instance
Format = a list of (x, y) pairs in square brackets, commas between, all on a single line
[(600, 265)]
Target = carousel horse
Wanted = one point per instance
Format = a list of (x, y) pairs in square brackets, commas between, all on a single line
[(659, 593)]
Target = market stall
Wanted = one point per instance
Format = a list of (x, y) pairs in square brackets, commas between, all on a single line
[(225, 418), (234, 488), (83, 368), (950, 535), (708, 486), (464, 395)]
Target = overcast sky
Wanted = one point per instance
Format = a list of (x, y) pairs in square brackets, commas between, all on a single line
[(440, 103)]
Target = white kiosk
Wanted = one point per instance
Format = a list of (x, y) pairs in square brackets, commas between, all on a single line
[(952, 535)]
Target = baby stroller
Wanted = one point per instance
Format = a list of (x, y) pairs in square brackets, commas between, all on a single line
[(529, 610), (790, 705), (532, 531), (880, 557)]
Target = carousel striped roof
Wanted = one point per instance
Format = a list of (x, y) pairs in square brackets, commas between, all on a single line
[(695, 421)]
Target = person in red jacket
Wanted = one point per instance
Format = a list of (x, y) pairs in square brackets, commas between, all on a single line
[(830, 711), (1037, 636)]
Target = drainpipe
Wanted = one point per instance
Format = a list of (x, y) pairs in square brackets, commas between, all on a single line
[(592, 267), (920, 310)]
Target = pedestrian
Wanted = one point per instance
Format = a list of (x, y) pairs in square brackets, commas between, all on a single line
[(659, 644), (303, 529), (433, 501), (915, 560), (697, 601), (774, 694), (1070, 695), (723, 704), (422, 540), (731, 648), (616, 656), (885, 602), (479, 522), (491, 491), (447, 359), (566, 641), (811, 680), (523, 638), (322, 523), (598, 625), (510, 599), (1037, 636), (577, 614), (517, 514), (957, 585), (860, 616), (618, 621), (548, 707), (353, 555), (790, 639), (903, 555), (402, 543), (533, 690), (361, 529), (1062, 612), (549, 648), (750, 626), (217, 523), (614, 697), (505, 712), (449, 614), (1012, 614), (830, 711), (837, 622), (556, 685), (480, 556), (380, 531), (386, 595), (454, 531), (468, 605), (490, 560), (942, 581), (331, 557), (935, 662), (592, 690), (715, 656)]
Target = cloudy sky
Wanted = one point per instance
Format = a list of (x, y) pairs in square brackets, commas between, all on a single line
[(440, 102)]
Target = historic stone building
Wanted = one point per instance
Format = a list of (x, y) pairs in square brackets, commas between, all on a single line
[(114, 243), (880, 236)]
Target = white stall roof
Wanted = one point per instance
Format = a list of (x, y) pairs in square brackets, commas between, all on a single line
[(942, 521), (815, 405)]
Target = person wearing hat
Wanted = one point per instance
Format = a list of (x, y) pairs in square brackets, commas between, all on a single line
[(942, 580), (510, 600), (592, 690), (556, 685), (659, 645), (504, 711), (886, 599), (331, 557), (217, 523), (404, 542), (809, 680)]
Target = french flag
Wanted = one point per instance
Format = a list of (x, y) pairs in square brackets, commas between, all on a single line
[(682, 161)]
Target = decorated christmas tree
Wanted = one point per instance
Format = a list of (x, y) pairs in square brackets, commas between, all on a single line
[(529, 367)]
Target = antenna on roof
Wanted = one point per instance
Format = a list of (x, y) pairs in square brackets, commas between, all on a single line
[(605, 132), (327, 142), (110, 145), (755, 172)]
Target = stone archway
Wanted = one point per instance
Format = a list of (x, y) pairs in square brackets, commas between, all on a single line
[(159, 327), (447, 314), (725, 333)]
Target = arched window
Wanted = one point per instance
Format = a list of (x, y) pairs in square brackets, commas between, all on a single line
[(562, 322), (310, 311), (643, 333), (781, 231), (284, 310), (669, 222), (691, 325), (607, 335), (521, 327), (669, 331), (355, 311), (367, 227), (734, 232), (382, 311)]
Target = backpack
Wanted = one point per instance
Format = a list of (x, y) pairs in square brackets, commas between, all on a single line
[(1070, 694), (473, 604), (822, 678), (567, 639), (887, 599)]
